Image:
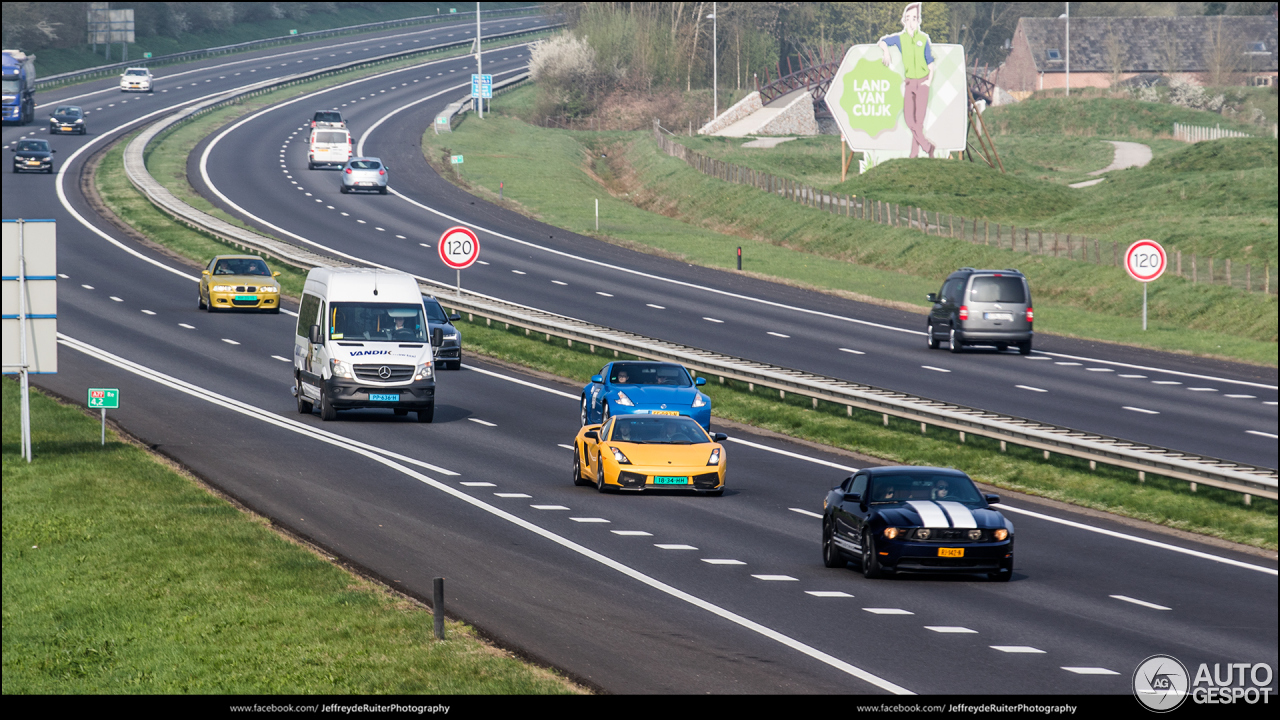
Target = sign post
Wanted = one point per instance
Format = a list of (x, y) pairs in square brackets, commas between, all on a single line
[(1145, 261), (30, 337), (104, 399), (459, 248)]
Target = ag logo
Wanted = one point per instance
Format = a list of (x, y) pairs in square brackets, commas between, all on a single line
[(1160, 683)]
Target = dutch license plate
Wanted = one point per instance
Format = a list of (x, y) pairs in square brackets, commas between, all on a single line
[(663, 412), (950, 552), (998, 316), (367, 184), (246, 298), (383, 397), (68, 128), (668, 480), (33, 162)]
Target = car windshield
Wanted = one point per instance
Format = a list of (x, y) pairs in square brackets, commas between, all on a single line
[(331, 137), (241, 266), (997, 288), (365, 164), (33, 146), (331, 117), (435, 313), (924, 486), (658, 430), (68, 112), (649, 374), (377, 321), (135, 72)]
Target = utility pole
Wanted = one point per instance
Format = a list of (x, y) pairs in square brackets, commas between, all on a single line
[(479, 67), (715, 74), (1068, 49)]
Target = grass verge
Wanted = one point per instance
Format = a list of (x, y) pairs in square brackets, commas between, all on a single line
[(1162, 501), (655, 203), (124, 576)]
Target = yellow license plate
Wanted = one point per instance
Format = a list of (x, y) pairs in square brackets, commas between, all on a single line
[(950, 552), (663, 412)]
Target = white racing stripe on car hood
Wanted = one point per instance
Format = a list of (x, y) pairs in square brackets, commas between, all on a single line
[(960, 515), (930, 514)]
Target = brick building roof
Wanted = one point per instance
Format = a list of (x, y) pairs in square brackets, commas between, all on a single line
[(1145, 42)]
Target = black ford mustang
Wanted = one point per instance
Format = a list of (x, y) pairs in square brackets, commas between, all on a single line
[(915, 519)]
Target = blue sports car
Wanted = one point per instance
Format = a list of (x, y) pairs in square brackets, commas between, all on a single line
[(915, 519), (644, 388)]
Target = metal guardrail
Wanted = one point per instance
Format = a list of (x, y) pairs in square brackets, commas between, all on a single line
[(100, 70), (1246, 479)]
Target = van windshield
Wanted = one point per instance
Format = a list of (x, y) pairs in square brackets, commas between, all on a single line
[(331, 137), (377, 321), (998, 289)]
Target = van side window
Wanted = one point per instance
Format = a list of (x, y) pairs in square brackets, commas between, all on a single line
[(307, 313), (952, 290)]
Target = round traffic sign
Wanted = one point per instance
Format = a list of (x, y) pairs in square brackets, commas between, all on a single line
[(459, 247), (1145, 260)]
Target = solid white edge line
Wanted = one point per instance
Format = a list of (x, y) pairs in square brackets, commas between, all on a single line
[(797, 456), (1144, 541), (377, 455)]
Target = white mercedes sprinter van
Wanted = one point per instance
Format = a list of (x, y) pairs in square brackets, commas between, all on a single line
[(328, 146), (363, 342)]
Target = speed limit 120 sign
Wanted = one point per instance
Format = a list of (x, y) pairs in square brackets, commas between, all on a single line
[(459, 247), (1145, 260)]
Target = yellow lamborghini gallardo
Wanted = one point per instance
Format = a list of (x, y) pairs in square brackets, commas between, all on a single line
[(649, 452)]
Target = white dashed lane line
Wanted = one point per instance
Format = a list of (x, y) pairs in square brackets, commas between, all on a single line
[(777, 334), (548, 507), (1143, 603), (722, 561), (604, 294), (775, 578), (1243, 397), (483, 422), (806, 512), (655, 307), (1263, 434), (229, 341), (513, 495), (1017, 649), (189, 327), (479, 484), (668, 546), (950, 629), (113, 297), (1203, 389), (855, 352), (519, 272), (149, 312), (1165, 382), (1099, 369), (1090, 671), (1068, 363), (281, 359), (87, 287), (566, 447), (1142, 377), (1142, 410), (828, 593), (1032, 389), (558, 282), (935, 369), (632, 533), (888, 611), (711, 319), (589, 520)]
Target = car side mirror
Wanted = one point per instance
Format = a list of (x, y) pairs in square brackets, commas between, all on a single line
[(437, 337), (275, 274), (931, 297), (992, 499), (591, 435), (597, 379), (204, 272), (700, 381), (719, 437), (852, 497), (456, 317), (314, 336), (53, 151)]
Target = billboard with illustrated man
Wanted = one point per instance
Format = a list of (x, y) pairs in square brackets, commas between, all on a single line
[(904, 96)]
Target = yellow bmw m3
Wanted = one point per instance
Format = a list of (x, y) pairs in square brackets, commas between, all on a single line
[(649, 452), (241, 282)]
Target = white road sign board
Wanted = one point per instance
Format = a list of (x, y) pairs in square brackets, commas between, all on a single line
[(459, 248), (1145, 260)]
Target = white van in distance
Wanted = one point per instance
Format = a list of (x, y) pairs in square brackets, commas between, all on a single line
[(363, 342), (328, 146)]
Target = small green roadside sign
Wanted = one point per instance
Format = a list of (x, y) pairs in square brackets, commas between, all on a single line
[(105, 398)]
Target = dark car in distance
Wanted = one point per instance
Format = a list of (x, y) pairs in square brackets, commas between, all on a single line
[(915, 519), (67, 119), (448, 354), (982, 307)]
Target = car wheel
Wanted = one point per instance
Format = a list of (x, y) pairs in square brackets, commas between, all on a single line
[(577, 468), (1001, 347), (304, 405), (583, 415), (604, 414), (870, 560), (428, 414), (327, 411), (311, 165), (831, 555), (933, 339), (200, 302), (600, 486), (1024, 348), (344, 189), (952, 344)]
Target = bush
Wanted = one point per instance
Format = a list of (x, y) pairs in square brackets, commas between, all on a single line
[(569, 82)]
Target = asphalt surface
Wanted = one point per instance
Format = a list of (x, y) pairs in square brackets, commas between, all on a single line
[(258, 171), (538, 563)]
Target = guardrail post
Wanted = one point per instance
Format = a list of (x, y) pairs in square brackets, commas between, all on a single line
[(437, 606)]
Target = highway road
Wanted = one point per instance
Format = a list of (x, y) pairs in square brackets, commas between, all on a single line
[(257, 170), (648, 594)]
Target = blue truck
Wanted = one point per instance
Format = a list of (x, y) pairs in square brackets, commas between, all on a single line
[(19, 87)]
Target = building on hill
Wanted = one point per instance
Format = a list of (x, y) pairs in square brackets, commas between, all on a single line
[(1216, 50)]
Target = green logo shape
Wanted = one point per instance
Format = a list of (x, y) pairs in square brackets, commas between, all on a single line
[(872, 97)]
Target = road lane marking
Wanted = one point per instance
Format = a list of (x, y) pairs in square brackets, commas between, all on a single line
[(777, 334), (1017, 649), (1203, 389), (935, 369), (589, 520), (1028, 387), (711, 319), (1090, 671), (548, 507), (281, 359), (806, 512), (1068, 363), (479, 484), (558, 282), (775, 578), (189, 327), (722, 561), (1165, 382), (229, 341), (632, 533), (113, 297), (1263, 434), (888, 611), (1243, 397), (828, 593), (1141, 410), (513, 495), (949, 629), (669, 546), (1143, 603), (605, 294), (855, 352), (1142, 377), (797, 456), (655, 307), (566, 447), (483, 422)]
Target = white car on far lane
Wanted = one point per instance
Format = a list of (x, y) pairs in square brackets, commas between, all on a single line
[(136, 79)]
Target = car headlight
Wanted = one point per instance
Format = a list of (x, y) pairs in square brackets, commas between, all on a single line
[(424, 372), (923, 534), (1001, 534), (222, 288), (715, 457), (268, 289), (451, 336), (619, 456), (890, 533), (624, 400), (340, 368), (700, 400), (975, 535)]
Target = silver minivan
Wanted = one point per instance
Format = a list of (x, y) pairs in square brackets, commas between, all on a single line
[(982, 307)]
